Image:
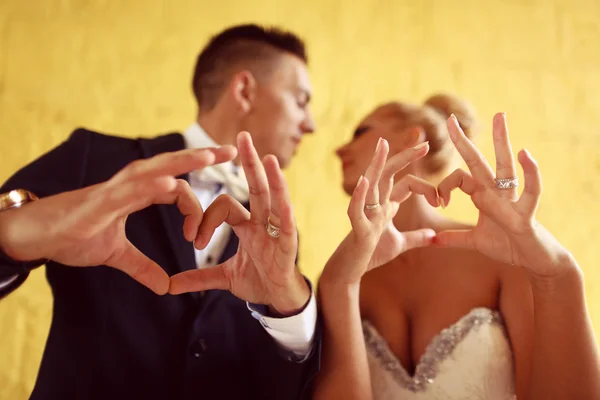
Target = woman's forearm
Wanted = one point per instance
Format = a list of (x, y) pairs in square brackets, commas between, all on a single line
[(566, 361), (344, 370)]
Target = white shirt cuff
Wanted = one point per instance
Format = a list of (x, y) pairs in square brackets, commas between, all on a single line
[(295, 333)]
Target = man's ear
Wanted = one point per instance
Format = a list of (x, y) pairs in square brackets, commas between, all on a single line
[(243, 89)]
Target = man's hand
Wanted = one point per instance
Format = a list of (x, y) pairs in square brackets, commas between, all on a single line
[(263, 270), (86, 227)]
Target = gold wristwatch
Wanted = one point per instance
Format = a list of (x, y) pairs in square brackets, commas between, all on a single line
[(15, 199)]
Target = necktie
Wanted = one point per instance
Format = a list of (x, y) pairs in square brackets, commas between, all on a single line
[(231, 177)]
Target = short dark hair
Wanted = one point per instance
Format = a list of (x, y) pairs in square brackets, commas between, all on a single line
[(239, 46)]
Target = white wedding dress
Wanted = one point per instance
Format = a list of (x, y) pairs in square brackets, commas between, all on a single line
[(471, 359)]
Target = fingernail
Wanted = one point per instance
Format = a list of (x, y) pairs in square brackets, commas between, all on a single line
[(421, 145), (442, 202), (378, 144), (454, 118), (359, 180)]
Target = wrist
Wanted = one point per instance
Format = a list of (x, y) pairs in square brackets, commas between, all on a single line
[(8, 237), (5, 236), (292, 299), (568, 279), (338, 301), (331, 279), (327, 286), (566, 270), (337, 273), (560, 296), (348, 263)]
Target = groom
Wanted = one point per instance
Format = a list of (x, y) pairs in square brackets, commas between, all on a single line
[(112, 337)]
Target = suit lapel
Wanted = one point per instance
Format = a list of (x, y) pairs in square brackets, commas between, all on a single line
[(183, 251)]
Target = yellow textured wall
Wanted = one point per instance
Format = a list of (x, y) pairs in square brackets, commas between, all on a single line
[(125, 66)]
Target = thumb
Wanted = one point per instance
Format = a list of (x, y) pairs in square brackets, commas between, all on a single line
[(141, 268), (418, 238), (455, 238), (199, 280)]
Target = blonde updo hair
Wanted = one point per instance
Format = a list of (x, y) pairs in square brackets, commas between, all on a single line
[(431, 117)]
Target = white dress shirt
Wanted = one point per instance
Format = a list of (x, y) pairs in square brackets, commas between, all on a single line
[(293, 333)]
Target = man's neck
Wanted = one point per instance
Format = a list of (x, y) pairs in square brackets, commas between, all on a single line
[(221, 129)]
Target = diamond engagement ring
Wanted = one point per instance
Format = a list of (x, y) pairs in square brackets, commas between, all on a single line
[(273, 230), (507, 183)]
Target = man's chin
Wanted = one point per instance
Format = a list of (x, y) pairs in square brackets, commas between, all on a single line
[(286, 156), (284, 162)]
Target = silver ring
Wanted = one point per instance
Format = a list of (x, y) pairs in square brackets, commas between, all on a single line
[(273, 230), (371, 206), (507, 183)]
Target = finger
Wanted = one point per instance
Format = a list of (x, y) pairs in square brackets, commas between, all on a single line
[(282, 213), (356, 208), (374, 170), (224, 209), (455, 238), (188, 204), (396, 164), (458, 179), (144, 193), (532, 191), (418, 238), (505, 160), (199, 280), (257, 179), (135, 186), (175, 163), (141, 268), (125, 198), (411, 184), (478, 166)]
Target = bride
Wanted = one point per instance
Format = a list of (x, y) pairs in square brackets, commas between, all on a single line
[(449, 313)]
